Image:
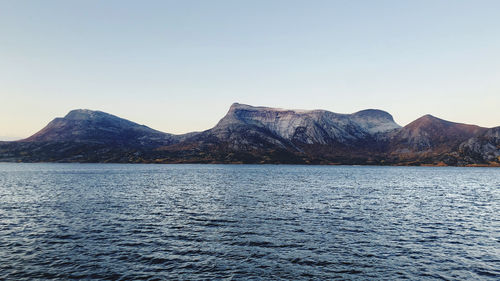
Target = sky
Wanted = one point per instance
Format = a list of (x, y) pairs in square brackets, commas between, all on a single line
[(177, 66)]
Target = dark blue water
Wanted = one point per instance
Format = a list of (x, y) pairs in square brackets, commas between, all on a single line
[(103, 221)]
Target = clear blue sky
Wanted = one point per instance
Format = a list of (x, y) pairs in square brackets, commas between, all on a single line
[(176, 66)]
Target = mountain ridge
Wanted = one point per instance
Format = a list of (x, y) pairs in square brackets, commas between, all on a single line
[(258, 134)]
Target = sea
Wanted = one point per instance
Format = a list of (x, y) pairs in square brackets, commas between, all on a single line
[(248, 222)]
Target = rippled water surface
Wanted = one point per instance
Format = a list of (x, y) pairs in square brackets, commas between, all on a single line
[(107, 221)]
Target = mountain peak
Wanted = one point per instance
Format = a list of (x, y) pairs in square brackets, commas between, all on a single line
[(432, 117), (235, 106), (374, 113), (85, 114), (239, 106), (430, 120)]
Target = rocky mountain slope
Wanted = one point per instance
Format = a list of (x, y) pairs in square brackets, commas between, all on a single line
[(263, 133), (307, 126), (83, 125), (249, 134), (88, 136), (483, 148), (429, 133), (431, 140)]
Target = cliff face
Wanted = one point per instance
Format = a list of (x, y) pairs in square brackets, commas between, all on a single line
[(484, 148), (260, 133), (249, 134), (305, 126)]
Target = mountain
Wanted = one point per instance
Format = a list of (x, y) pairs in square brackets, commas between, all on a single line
[(431, 135), (88, 136), (293, 127), (83, 125), (250, 134), (263, 134), (430, 140)]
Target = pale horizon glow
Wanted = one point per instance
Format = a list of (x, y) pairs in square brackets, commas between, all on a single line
[(177, 66)]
